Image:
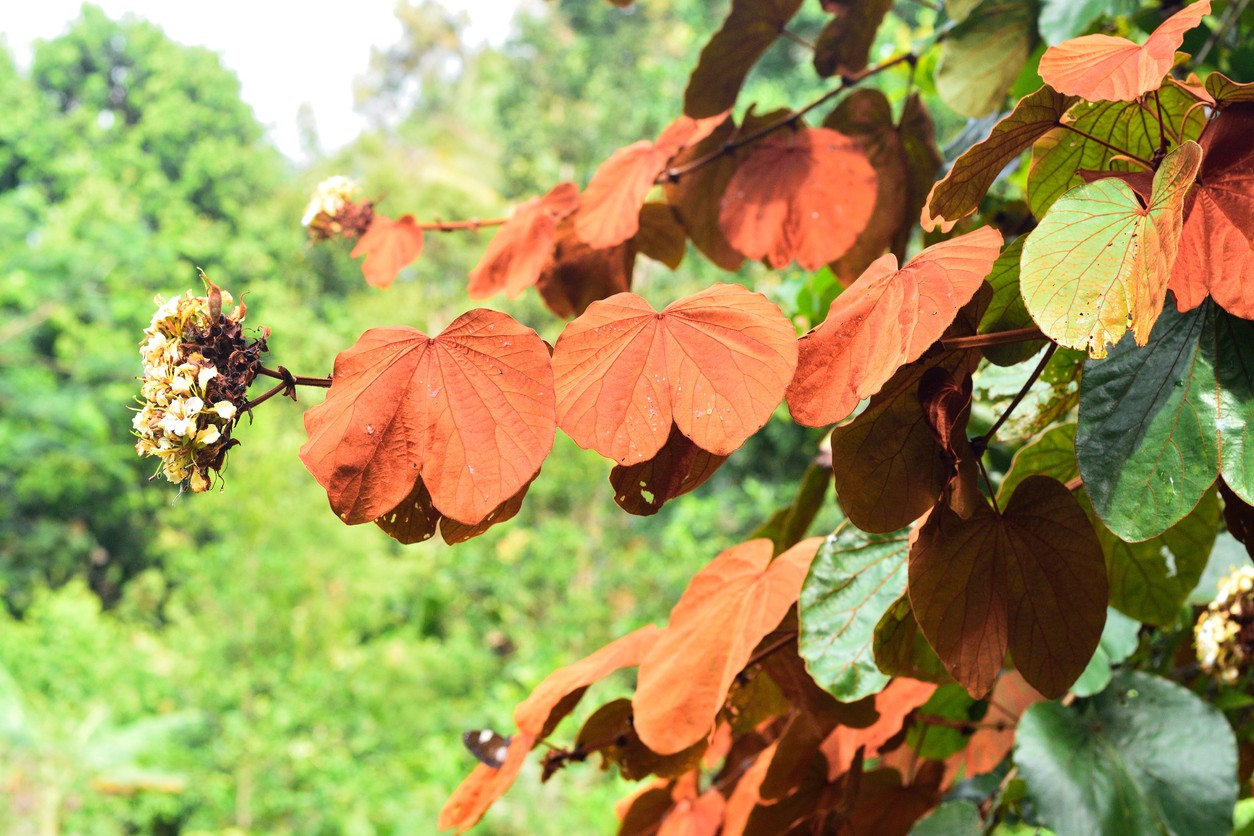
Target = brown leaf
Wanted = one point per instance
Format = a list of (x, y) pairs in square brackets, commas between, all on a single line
[(661, 236), (959, 192), (750, 27), (642, 812), (923, 161), (388, 246), (901, 650), (886, 807), (610, 213), (578, 275), (745, 796), (844, 45), (1031, 579), (415, 519), (728, 607), (801, 195), (715, 363), (523, 247), (679, 467), (1238, 516), (946, 406), (610, 732), (470, 412), (885, 320), (894, 704)]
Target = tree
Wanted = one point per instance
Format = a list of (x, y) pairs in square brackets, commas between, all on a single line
[(1088, 344)]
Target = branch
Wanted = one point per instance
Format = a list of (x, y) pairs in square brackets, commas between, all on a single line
[(1015, 335), (474, 224), (287, 385), (982, 441), (1233, 12)]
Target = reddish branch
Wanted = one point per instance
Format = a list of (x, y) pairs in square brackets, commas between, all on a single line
[(474, 224), (287, 385)]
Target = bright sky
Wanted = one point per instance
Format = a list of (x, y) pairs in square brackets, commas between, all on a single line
[(284, 52)]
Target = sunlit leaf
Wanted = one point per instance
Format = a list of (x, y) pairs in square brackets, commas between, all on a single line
[(470, 412), (1098, 263), (1226, 92), (715, 363), (984, 54), (802, 195), (388, 246), (729, 606), (1107, 68), (885, 320), (519, 252), (750, 27)]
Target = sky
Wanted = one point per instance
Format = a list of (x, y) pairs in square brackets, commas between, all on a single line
[(285, 53)]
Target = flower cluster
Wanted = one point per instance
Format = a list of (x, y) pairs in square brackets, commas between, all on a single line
[(188, 407), (333, 210), (1225, 632)]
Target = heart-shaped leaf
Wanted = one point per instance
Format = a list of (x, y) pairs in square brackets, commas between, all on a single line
[(885, 320), (1107, 68), (844, 45), (524, 245), (578, 275), (800, 195), (470, 412), (679, 467), (716, 364), (1030, 580), (728, 608), (388, 246), (1098, 264), (751, 26), (984, 54)]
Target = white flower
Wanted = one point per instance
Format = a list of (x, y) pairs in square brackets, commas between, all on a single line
[(329, 198)]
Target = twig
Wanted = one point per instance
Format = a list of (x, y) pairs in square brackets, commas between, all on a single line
[(992, 494), (797, 39), (1015, 335), (1233, 12), (293, 379), (474, 224), (767, 651), (982, 441)]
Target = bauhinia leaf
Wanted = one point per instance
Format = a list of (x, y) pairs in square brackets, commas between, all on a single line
[(1217, 242), (613, 722), (900, 648), (1006, 311), (984, 54), (801, 195), (715, 363), (885, 320), (852, 583), (989, 745), (1106, 68), (750, 27), (1226, 92), (524, 245), (1144, 756), (388, 246), (610, 212), (661, 236), (471, 413), (893, 704), (959, 193), (1030, 580), (1098, 264), (1158, 424), (728, 608), (679, 467), (578, 275), (416, 518), (844, 45)]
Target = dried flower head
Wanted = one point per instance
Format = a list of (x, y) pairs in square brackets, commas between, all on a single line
[(1225, 632), (333, 210), (197, 369)]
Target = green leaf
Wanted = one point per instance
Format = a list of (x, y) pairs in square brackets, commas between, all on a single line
[(901, 649), (982, 56), (1052, 454), (1156, 423), (1243, 818), (1062, 20), (1144, 756), (937, 742), (1006, 310), (853, 581), (1098, 263), (1060, 154), (1119, 640), (953, 818)]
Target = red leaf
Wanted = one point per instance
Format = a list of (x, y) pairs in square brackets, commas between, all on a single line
[(750, 27), (1031, 579), (524, 245), (578, 275), (715, 363), (484, 786), (388, 246), (885, 320), (679, 467), (1105, 68), (470, 412), (803, 195), (729, 606), (611, 203), (894, 703), (990, 744), (535, 714), (746, 794), (1216, 254)]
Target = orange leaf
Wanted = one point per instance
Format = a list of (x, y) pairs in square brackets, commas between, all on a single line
[(611, 203), (534, 715), (470, 412), (745, 796), (885, 320), (803, 195), (1031, 579), (729, 606), (959, 192), (1105, 68), (524, 245), (484, 786), (1216, 254), (990, 744), (715, 363), (679, 467), (700, 817), (893, 704), (750, 27), (578, 275), (388, 246)]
